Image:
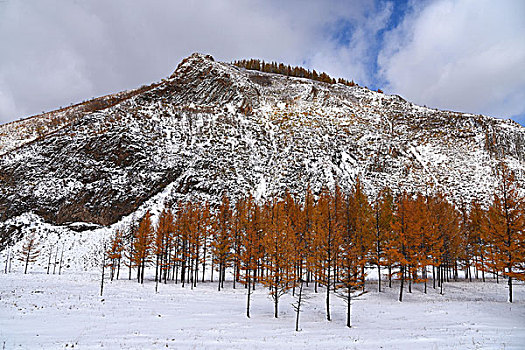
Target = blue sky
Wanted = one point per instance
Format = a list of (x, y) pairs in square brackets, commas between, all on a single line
[(462, 55), (342, 31)]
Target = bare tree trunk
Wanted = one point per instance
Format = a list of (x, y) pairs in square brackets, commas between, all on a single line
[(103, 267), (10, 260), (55, 261), (328, 295), (48, 261), (112, 270), (510, 285), (234, 273), (7, 261), (433, 277), (27, 260), (61, 260), (190, 275), (378, 277), (299, 306), (129, 276), (118, 268), (276, 304), (196, 278), (130, 257), (211, 277), (157, 268), (176, 271), (183, 272), (143, 271), (348, 307), (363, 278), (425, 278), (482, 268), (249, 284), (402, 283), (476, 270), (158, 275), (441, 279), (220, 275), (204, 262)]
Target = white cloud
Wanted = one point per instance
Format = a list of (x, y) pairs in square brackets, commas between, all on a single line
[(7, 103), (57, 52), (461, 55), (354, 59)]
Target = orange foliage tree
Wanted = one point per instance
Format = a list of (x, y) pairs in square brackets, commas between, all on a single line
[(142, 246), (506, 229), (30, 251), (279, 244)]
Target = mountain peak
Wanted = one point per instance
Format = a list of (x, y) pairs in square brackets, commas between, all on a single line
[(195, 59)]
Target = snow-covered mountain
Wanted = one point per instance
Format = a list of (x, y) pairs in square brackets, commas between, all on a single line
[(213, 128)]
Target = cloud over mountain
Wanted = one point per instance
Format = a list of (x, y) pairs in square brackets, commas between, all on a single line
[(461, 55)]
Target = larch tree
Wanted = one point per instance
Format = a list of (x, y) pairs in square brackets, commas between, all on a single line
[(294, 213), (143, 246), (423, 231), (326, 242), (434, 238), (357, 236), (194, 242), (362, 214), (382, 225), (161, 244), (468, 242), (179, 243), (29, 251), (307, 236), (506, 222), (279, 247), (399, 250), (237, 227), (445, 246), (249, 246), (114, 253), (476, 225), (186, 227), (350, 278), (222, 240), (129, 240), (205, 233)]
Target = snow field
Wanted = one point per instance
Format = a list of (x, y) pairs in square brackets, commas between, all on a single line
[(40, 311)]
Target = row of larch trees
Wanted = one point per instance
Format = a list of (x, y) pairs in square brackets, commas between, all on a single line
[(330, 239)]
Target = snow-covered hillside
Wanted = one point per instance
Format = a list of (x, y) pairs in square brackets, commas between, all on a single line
[(73, 176), (213, 128)]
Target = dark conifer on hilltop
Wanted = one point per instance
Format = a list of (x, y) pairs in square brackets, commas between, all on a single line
[(299, 72)]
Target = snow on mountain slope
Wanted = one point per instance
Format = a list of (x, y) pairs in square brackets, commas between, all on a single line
[(213, 128), (17, 133)]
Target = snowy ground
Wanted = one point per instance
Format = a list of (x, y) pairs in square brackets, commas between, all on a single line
[(51, 311)]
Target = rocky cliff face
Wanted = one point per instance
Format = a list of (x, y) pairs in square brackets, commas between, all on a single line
[(212, 128)]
